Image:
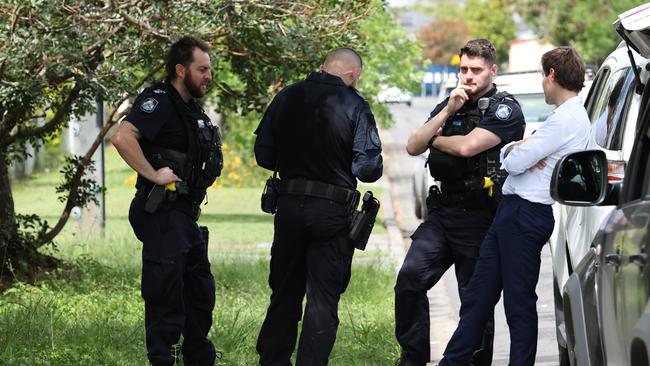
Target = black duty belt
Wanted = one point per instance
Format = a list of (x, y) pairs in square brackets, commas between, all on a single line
[(317, 189), (181, 203)]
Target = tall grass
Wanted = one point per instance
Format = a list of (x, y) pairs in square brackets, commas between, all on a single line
[(91, 312)]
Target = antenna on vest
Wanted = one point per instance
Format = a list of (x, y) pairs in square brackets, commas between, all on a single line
[(483, 105)]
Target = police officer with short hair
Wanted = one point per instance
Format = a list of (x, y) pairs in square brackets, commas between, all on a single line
[(320, 135), (176, 151), (464, 134)]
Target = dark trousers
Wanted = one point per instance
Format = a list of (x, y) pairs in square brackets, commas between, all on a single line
[(509, 261), (177, 286), (312, 255), (447, 236)]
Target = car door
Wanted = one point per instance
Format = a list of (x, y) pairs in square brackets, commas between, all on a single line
[(609, 106), (624, 276)]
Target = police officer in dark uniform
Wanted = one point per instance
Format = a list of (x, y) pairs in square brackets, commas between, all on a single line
[(320, 135), (464, 134), (176, 150)]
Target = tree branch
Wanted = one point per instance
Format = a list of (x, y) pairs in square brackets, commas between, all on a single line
[(85, 161), (143, 25), (51, 124)]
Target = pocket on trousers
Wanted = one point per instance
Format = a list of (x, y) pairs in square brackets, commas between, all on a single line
[(160, 277)]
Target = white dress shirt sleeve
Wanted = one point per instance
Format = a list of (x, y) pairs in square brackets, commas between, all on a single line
[(546, 140)]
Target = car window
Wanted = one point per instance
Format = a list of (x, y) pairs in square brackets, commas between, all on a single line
[(609, 108), (595, 92), (534, 106), (621, 109)]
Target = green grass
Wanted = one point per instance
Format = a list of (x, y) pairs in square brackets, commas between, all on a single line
[(90, 312)]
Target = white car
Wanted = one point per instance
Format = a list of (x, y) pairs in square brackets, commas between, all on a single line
[(393, 94), (613, 106), (526, 87)]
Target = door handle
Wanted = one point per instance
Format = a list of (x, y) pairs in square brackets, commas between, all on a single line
[(614, 259), (640, 259)]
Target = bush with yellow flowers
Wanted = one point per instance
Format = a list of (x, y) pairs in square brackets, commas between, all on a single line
[(239, 170)]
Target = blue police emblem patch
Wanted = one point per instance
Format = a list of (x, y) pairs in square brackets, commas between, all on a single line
[(149, 105), (503, 112)]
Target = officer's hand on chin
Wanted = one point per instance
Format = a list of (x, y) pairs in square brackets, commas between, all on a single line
[(458, 97), (165, 176)]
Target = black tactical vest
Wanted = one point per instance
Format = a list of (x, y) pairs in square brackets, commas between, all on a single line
[(204, 160), (454, 171)]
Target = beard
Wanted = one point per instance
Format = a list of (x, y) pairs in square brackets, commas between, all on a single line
[(193, 88)]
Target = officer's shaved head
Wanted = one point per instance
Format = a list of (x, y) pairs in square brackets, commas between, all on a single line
[(344, 55), (345, 63)]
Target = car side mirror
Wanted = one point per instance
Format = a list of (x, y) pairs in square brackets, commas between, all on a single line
[(580, 178)]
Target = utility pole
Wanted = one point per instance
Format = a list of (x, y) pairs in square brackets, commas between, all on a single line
[(81, 134)]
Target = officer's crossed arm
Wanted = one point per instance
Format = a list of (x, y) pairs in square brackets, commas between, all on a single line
[(125, 141), (420, 138), (475, 142)]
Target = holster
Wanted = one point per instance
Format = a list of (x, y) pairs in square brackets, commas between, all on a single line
[(269, 199), (205, 234), (155, 199), (467, 196), (364, 220)]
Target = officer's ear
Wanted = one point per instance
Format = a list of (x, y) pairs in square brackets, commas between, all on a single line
[(493, 69), (180, 71)]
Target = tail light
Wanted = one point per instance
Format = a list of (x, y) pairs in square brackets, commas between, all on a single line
[(615, 171)]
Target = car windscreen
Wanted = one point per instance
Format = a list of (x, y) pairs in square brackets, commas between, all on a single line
[(534, 106)]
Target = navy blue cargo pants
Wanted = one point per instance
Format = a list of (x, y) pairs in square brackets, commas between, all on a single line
[(311, 255), (509, 261), (447, 236), (177, 286)]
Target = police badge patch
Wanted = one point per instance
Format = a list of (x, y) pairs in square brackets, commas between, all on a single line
[(149, 105), (503, 112), (374, 138)]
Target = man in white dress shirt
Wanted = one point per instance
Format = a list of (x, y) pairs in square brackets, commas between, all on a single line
[(510, 254)]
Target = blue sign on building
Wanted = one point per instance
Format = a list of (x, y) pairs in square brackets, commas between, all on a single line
[(434, 77)]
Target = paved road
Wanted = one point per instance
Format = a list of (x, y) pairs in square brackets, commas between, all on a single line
[(443, 298)]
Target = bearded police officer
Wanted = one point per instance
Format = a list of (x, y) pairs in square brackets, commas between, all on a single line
[(464, 134), (320, 135), (176, 150)]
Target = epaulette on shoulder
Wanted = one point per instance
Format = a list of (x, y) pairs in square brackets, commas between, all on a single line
[(502, 95)]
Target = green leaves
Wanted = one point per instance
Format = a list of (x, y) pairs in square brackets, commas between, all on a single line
[(86, 190), (585, 25)]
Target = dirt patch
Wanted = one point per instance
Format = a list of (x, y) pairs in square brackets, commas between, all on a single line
[(40, 265)]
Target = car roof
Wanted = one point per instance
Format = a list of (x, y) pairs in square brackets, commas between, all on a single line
[(529, 82)]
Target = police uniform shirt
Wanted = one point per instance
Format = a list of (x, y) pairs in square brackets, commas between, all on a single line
[(503, 118), (320, 129), (157, 120)]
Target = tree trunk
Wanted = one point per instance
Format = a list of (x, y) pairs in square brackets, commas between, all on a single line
[(8, 226)]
